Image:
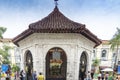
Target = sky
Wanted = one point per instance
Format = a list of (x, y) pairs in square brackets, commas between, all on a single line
[(101, 17)]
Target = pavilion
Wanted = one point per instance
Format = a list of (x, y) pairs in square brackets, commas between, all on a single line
[(56, 46)]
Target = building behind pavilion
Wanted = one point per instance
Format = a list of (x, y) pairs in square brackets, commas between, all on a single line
[(106, 56)]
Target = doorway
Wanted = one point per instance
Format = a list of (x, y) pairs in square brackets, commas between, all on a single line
[(56, 64), (28, 65), (82, 66)]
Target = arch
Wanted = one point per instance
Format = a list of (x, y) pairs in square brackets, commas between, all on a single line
[(28, 59), (83, 65), (104, 53), (56, 64)]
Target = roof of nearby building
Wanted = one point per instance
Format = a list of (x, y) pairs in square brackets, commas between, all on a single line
[(5, 40), (105, 42), (56, 22)]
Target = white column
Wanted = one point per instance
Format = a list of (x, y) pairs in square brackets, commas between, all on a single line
[(76, 63), (22, 59), (39, 59), (35, 55)]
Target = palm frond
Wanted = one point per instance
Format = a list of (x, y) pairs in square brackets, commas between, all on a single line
[(115, 41), (2, 31)]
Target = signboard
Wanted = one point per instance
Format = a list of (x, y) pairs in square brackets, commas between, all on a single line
[(4, 67), (118, 71)]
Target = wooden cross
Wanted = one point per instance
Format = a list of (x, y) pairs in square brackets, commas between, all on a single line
[(56, 2)]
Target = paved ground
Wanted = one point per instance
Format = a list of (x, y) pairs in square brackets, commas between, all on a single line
[(12, 78)]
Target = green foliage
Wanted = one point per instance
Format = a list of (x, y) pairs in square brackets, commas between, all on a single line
[(4, 50), (96, 62), (115, 41), (15, 68), (2, 31), (4, 53)]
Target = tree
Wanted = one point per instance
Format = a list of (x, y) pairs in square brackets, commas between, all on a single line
[(4, 52), (115, 43), (15, 68), (95, 64), (2, 31), (4, 49)]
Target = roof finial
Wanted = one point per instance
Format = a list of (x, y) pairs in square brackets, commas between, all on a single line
[(56, 2)]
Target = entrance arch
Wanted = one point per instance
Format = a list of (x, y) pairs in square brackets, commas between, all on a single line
[(56, 64), (82, 66), (28, 65)]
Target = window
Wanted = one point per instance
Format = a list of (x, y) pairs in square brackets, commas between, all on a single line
[(94, 54), (104, 54), (56, 55), (114, 55)]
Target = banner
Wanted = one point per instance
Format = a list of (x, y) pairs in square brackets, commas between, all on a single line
[(118, 71), (4, 67)]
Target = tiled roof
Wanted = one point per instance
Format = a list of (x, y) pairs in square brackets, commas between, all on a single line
[(56, 22), (5, 40), (105, 42)]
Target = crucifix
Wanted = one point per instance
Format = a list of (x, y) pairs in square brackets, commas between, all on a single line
[(56, 2)]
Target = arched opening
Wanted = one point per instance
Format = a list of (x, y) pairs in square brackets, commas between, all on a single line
[(104, 54), (28, 65), (56, 64), (82, 66)]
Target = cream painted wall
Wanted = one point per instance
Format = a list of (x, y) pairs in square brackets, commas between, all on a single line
[(108, 61)]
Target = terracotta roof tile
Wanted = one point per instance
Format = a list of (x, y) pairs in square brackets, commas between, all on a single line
[(105, 42), (56, 22)]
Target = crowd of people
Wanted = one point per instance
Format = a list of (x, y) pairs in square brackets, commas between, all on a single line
[(101, 76), (108, 76), (22, 76)]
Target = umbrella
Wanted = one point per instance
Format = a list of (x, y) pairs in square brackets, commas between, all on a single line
[(107, 69)]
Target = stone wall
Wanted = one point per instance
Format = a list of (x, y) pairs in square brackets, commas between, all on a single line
[(73, 45)]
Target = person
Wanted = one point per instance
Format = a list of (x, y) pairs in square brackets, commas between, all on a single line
[(85, 77), (21, 75), (99, 76), (92, 74), (17, 75), (34, 75), (102, 75), (88, 75), (24, 75), (8, 74), (40, 76), (106, 76)]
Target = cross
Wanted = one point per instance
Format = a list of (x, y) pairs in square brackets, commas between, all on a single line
[(56, 2)]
